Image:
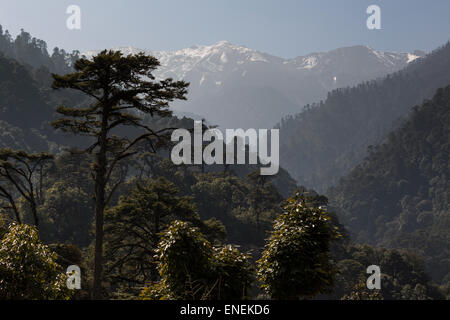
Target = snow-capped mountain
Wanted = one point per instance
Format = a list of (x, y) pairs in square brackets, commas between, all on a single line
[(237, 87)]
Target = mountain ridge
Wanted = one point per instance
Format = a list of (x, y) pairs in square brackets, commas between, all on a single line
[(228, 79)]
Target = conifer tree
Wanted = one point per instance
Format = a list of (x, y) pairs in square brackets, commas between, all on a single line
[(123, 90)]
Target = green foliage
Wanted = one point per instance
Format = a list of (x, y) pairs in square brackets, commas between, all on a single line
[(296, 261), (246, 207), (235, 273), (28, 269), (445, 289), (403, 275), (360, 292), (68, 254), (192, 269), (3, 226), (19, 172), (156, 291), (234, 200), (133, 230), (185, 262), (67, 215)]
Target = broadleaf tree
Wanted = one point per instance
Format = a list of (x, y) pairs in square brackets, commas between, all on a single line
[(191, 268), (296, 262), (21, 175), (28, 268)]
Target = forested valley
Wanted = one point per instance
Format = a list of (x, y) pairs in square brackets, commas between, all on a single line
[(86, 179)]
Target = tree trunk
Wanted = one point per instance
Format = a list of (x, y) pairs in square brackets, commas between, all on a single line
[(32, 201), (100, 185), (35, 215), (98, 260), (12, 203), (16, 211)]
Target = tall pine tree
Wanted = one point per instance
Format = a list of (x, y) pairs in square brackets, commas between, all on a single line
[(123, 91)]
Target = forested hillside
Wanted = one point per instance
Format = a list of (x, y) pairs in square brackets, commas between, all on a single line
[(27, 102), (324, 142), (23, 109), (399, 195), (228, 203), (34, 52), (223, 218), (27, 108)]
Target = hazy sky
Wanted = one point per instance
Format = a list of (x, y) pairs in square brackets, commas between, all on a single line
[(286, 28)]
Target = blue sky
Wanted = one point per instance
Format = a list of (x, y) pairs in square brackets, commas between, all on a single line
[(285, 28)]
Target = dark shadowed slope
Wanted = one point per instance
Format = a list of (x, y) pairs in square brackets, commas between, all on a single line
[(399, 195), (323, 143)]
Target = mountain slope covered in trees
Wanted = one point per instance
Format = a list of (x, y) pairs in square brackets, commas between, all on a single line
[(228, 204), (34, 52), (23, 109), (399, 195), (329, 138)]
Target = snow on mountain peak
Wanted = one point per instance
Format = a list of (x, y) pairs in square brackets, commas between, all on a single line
[(208, 58), (226, 78), (208, 65), (224, 52), (223, 43), (412, 57)]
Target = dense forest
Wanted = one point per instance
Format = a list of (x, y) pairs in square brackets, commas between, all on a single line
[(34, 52), (25, 89), (323, 143), (198, 232), (399, 195)]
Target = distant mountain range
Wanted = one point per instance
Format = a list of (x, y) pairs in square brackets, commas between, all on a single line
[(237, 87)]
